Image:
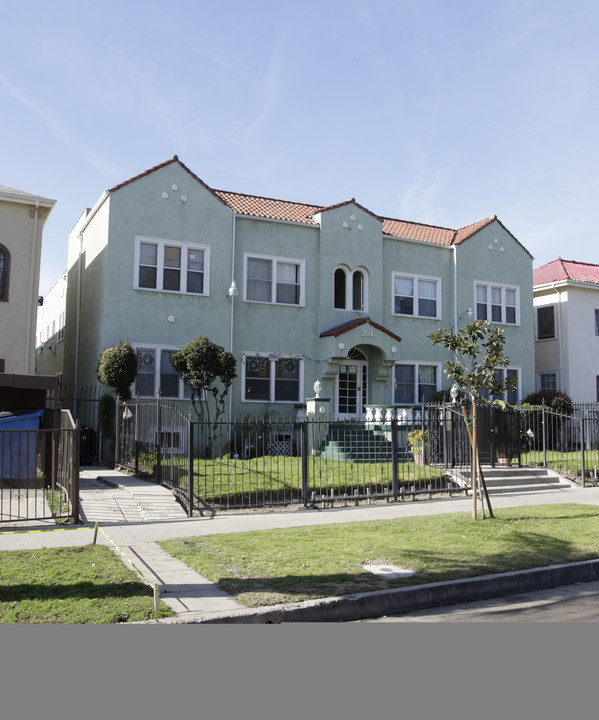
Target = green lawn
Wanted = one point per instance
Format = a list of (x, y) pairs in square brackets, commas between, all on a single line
[(566, 462), (269, 567), (229, 481), (72, 585)]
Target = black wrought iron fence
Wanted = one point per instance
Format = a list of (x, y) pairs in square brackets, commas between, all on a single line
[(39, 473), (568, 444), (273, 461)]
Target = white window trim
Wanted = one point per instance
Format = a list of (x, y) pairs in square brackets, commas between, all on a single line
[(349, 288), (273, 357), (416, 365), (416, 278), (503, 287), (157, 349), (161, 243), (273, 290)]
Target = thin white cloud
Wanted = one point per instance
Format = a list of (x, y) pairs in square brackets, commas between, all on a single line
[(54, 123), (268, 88)]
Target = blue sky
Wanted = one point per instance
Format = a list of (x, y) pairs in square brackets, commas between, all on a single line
[(437, 111)]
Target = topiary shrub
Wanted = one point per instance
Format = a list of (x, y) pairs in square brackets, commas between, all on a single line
[(117, 368)]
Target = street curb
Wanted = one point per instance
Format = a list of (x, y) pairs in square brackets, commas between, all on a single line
[(401, 600)]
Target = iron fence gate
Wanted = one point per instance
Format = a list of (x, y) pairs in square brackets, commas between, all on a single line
[(278, 462)]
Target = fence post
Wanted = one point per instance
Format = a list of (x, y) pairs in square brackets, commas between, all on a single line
[(136, 436), (582, 446), (117, 432), (159, 439), (190, 425), (304, 427), (394, 457), (544, 426)]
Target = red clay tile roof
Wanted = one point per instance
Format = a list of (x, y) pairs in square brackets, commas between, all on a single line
[(271, 208), (559, 269), (351, 324)]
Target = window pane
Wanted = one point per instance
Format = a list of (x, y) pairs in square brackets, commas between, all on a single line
[(427, 382), (195, 271), (512, 395), (288, 289), (148, 254), (358, 290), (545, 323), (172, 256), (257, 378), (510, 315), (169, 378), (171, 279), (404, 296), (340, 289), (148, 261), (146, 367), (404, 384), (147, 277), (287, 380), (259, 274)]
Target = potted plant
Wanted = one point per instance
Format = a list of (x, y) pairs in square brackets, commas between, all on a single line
[(418, 443)]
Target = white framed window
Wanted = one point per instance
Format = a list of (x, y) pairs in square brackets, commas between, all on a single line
[(512, 396), (155, 372), (416, 296), (547, 381), (350, 290), (274, 280), (546, 322), (169, 266), (415, 382), (497, 303), (272, 378)]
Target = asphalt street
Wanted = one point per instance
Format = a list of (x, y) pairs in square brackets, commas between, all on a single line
[(568, 603)]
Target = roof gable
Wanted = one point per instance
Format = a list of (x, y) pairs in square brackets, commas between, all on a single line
[(289, 211)]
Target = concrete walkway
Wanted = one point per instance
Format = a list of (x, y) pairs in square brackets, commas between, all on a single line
[(134, 515)]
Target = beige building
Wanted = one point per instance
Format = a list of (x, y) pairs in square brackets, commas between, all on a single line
[(22, 218)]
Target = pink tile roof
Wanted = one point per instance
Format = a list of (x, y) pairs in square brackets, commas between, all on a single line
[(271, 208), (560, 270)]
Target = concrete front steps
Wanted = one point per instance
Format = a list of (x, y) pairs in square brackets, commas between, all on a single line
[(524, 479)]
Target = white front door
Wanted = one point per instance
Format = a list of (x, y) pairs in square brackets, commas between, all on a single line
[(352, 384)]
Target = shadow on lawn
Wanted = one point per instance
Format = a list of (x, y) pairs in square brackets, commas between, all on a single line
[(80, 590), (524, 551)]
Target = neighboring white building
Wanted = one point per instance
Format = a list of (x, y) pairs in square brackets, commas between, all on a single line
[(50, 329), (22, 218), (566, 302)]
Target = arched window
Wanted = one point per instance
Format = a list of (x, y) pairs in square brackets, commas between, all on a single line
[(340, 292), (351, 290), (4, 272)]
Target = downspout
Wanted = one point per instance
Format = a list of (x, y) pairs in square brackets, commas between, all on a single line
[(559, 336), (232, 301), (30, 296), (455, 287)]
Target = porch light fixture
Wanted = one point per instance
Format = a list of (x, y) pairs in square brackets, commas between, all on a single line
[(469, 313), (233, 290)]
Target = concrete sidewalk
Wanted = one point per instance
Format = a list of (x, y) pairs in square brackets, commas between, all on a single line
[(134, 515)]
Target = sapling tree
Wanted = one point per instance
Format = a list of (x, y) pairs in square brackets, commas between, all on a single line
[(478, 355), (209, 370)]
